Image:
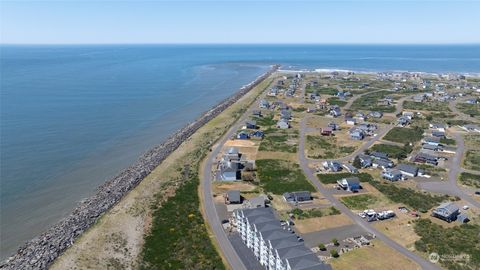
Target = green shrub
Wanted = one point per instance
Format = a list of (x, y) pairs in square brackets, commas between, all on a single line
[(470, 179), (404, 135), (334, 253)]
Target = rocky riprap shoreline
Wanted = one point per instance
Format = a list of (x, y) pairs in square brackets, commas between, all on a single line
[(41, 251)]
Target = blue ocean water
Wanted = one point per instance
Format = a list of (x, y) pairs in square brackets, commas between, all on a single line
[(73, 116)]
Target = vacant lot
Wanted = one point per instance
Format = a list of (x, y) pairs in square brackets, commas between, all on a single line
[(312, 213), (404, 135), (265, 121), (434, 106), (326, 147), (370, 102), (470, 179), (321, 223), (336, 101), (359, 202), (469, 109), (277, 140), (472, 160), (417, 200), (393, 151), (280, 176), (331, 178), (377, 256), (321, 90), (456, 241)]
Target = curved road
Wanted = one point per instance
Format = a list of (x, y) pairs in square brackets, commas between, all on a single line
[(358, 220)]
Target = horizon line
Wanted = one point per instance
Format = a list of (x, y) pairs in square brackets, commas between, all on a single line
[(241, 43)]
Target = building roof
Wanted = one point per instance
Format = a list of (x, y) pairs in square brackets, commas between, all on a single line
[(233, 151), (407, 168), (447, 208), (379, 155), (233, 195), (305, 262)]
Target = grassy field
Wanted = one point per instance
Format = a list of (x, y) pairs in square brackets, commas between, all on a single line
[(278, 140), (472, 160), (265, 121), (434, 106), (373, 257), (414, 199), (393, 151), (332, 178), (404, 135), (326, 147), (321, 90), (469, 109), (336, 101), (359, 202), (448, 141), (470, 179), (453, 242), (371, 102), (280, 176), (313, 213)]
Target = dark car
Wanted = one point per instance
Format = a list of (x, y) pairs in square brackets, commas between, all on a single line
[(477, 192)]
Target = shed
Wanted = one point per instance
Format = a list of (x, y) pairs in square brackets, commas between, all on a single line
[(233, 197)]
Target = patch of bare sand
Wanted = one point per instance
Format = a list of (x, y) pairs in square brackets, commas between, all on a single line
[(321, 223)]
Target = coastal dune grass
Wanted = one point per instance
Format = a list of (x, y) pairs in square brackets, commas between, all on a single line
[(404, 135)]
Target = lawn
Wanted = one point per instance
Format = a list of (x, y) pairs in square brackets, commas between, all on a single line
[(278, 140), (359, 202), (470, 179), (319, 147), (280, 176), (417, 200), (472, 160), (435, 106), (393, 151), (371, 102), (332, 178), (404, 135), (469, 109), (457, 242), (336, 101)]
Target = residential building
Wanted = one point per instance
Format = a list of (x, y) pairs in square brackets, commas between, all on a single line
[(257, 134), (447, 211), (350, 183), (332, 165), (350, 168), (426, 158), (264, 104), (471, 128), (335, 111), (257, 113), (285, 114), (432, 147), (365, 160), (283, 124), (408, 170), (378, 155), (438, 127), (233, 197), (356, 134), (251, 124), (376, 114), (432, 141), (382, 163), (274, 245), (350, 121), (327, 131), (403, 121), (297, 196), (392, 175), (438, 134), (243, 135)]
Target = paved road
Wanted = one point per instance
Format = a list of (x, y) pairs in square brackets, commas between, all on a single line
[(452, 105), (358, 220), (451, 186), (211, 214)]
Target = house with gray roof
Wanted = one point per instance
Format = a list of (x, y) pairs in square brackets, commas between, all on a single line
[(273, 244), (233, 197), (297, 196), (392, 175), (408, 170), (446, 211)]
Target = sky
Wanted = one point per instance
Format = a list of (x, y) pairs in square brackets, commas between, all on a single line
[(247, 21)]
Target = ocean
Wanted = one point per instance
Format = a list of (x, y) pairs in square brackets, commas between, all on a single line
[(74, 116)]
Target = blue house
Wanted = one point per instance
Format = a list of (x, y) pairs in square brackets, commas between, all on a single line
[(257, 134), (357, 134), (351, 184), (365, 160), (243, 135)]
